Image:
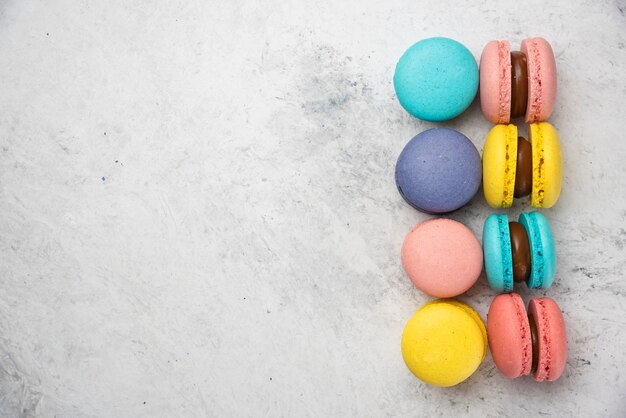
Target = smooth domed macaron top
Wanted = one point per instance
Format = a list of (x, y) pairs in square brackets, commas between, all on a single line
[(444, 342), (438, 171), (442, 257), (436, 79)]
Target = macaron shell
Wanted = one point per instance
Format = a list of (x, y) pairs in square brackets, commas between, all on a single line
[(442, 257), (547, 163), (495, 82), (444, 342), (509, 335), (436, 79), (499, 164), (542, 253), (541, 79), (552, 339), (497, 253)]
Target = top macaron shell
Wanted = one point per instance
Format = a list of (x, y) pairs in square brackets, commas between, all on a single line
[(436, 79), (438, 171), (543, 255), (442, 257), (552, 339), (541, 79), (495, 80), (547, 163)]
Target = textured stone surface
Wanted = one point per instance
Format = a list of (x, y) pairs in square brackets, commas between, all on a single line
[(199, 215)]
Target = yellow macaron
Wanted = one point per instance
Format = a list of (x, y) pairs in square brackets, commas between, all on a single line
[(513, 167), (444, 342)]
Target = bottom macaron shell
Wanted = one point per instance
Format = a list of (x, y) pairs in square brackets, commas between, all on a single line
[(495, 81), (497, 253), (499, 164), (509, 335), (552, 339), (444, 342)]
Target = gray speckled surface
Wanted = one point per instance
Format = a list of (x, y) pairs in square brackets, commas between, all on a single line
[(199, 216)]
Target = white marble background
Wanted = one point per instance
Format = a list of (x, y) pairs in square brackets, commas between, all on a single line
[(199, 216)]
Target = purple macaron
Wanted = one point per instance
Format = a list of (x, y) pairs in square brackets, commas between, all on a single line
[(438, 171)]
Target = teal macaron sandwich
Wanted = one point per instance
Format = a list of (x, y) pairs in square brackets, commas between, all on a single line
[(518, 252)]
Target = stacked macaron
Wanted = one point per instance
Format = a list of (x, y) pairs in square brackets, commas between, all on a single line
[(515, 84), (439, 171)]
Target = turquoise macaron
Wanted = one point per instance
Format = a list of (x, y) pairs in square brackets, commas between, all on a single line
[(436, 79), (518, 251)]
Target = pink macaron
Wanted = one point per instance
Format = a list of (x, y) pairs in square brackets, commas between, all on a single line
[(517, 83), (522, 343), (442, 257)]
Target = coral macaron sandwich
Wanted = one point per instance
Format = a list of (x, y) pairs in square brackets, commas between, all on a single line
[(522, 343)]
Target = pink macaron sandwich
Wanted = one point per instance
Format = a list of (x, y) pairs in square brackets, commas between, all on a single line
[(517, 83), (523, 343)]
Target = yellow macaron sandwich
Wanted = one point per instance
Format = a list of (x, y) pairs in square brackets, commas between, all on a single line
[(515, 167)]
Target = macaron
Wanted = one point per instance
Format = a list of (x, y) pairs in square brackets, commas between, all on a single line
[(518, 252), (444, 342), (522, 343), (517, 83), (436, 79), (442, 257), (515, 167), (438, 171)]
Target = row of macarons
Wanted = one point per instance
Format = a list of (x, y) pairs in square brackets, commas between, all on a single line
[(445, 341), (443, 258), (436, 79), (439, 171)]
